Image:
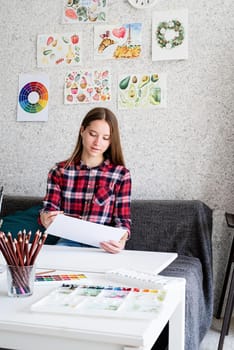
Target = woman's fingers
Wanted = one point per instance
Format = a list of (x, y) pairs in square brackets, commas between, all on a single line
[(47, 217), (113, 246)]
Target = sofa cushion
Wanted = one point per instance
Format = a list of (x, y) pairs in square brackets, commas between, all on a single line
[(25, 220)]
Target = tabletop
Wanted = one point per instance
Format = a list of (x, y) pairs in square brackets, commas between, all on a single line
[(20, 325)]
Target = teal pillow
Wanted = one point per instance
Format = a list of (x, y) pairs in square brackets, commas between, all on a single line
[(25, 220)]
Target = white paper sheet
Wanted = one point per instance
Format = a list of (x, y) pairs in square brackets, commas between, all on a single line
[(83, 231)]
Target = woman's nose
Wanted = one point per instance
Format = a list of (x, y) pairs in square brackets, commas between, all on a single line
[(98, 140)]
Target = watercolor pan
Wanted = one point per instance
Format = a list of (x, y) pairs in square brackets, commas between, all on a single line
[(59, 278)]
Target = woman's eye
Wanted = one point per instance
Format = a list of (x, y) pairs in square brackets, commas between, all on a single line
[(92, 134), (107, 138)]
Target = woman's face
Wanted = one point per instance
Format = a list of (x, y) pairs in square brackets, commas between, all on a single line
[(96, 139)]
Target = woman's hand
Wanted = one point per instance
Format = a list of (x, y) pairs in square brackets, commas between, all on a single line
[(114, 246), (47, 217)]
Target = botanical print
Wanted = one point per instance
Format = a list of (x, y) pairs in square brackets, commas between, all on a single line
[(33, 97), (59, 49), (142, 91), (87, 11), (119, 41), (170, 35), (87, 87)]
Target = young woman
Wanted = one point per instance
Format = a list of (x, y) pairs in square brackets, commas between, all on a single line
[(93, 184)]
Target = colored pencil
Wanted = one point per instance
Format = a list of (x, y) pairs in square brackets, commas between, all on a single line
[(19, 256)]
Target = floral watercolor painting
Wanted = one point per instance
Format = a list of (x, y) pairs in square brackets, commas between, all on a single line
[(86, 11), (142, 91), (170, 35), (59, 49), (87, 87), (118, 41)]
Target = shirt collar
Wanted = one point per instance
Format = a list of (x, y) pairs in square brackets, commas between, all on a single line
[(82, 166)]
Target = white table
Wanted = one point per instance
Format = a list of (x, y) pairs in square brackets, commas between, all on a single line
[(22, 329)]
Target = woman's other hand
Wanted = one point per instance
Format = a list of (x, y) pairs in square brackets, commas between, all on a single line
[(114, 246), (47, 217)]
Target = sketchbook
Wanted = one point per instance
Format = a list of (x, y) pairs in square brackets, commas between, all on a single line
[(83, 231), (138, 279)]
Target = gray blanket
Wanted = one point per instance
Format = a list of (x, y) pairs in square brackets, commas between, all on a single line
[(184, 227)]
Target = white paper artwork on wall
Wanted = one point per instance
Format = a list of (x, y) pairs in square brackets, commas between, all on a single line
[(142, 4), (123, 41), (146, 90), (33, 97), (84, 11), (87, 86), (59, 49), (170, 35)]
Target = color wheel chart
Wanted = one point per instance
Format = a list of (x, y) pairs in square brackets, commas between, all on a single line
[(33, 98)]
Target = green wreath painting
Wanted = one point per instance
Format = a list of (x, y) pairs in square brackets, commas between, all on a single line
[(170, 35), (174, 26)]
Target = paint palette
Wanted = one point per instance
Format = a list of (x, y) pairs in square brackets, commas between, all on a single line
[(109, 301), (58, 278)]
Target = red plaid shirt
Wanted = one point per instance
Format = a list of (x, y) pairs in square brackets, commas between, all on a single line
[(100, 194)]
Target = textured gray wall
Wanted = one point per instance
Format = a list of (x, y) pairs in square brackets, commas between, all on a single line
[(182, 152)]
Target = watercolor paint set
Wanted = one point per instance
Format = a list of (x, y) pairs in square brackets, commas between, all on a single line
[(99, 300), (71, 277)]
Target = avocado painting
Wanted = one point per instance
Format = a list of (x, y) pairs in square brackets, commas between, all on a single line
[(142, 91)]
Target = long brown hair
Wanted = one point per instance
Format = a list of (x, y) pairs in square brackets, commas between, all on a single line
[(114, 151)]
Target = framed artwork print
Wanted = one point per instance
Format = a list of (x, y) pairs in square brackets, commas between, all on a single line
[(170, 35)]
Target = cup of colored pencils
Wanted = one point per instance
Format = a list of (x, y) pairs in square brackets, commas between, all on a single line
[(20, 256)]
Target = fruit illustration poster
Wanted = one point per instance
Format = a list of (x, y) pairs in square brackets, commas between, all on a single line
[(86, 11), (115, 42), (59, 49), (33, 97), (142, 91), (87, 87), (170, 35)]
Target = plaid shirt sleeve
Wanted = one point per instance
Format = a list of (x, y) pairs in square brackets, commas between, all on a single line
[(122, 215), (52, 198)]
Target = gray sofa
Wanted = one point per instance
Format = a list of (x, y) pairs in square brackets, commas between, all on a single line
[(178, 226)]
